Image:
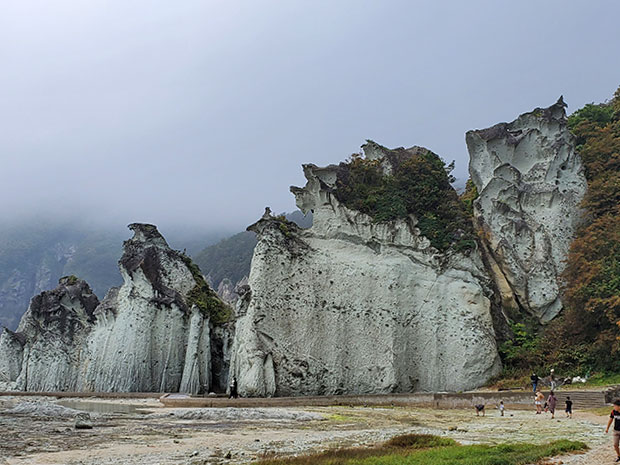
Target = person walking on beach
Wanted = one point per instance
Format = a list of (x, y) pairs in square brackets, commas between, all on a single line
[(615, 418), (534, 379), (552, 401), (501, 408), (569, 407), (538, 401)]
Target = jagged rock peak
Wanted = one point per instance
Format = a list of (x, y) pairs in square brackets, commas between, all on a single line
[(515, 131), (61, 303), (147, 233), (530, 183), (324, 178), (44, 354), (391, 158), (167, 270)]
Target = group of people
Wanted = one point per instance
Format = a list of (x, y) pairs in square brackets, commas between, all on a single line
[(551, 403), (553, 381), (548, 405)]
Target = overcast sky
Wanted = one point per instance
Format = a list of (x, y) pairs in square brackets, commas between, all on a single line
[(200, 113)]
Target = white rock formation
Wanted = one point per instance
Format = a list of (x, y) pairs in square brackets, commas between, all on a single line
[(147, 336), (46, 351), (153, 334), (354, 306), (530, 184)]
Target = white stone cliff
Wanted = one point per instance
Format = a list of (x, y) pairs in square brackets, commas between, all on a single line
[(147, 335), (46, 351), (354, 306), (530, 183)]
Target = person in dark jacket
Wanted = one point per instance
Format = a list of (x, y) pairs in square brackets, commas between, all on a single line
[(534, 379), (614, 418), (234, 393), (569, 407)]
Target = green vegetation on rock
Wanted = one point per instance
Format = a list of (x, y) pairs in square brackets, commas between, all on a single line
[(203, 297), (468, 197), (418, 184)]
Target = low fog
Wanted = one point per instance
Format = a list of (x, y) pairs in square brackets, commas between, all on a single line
[(198, 114)]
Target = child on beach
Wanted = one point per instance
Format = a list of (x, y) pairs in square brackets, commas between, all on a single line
[(501, 408), (538, 401), (569, 407)]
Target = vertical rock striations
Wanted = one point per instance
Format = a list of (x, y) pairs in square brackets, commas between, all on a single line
[(46, 352), (353, 305), (530, 184), (152, 334)]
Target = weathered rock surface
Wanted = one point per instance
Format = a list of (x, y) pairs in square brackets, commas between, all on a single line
[(153, 334), (530, 184), (148, 336), (46, 351), (354, 306)]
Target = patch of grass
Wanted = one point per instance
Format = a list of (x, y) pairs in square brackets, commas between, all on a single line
[(600, 411), (413, 449), (603, 379), (338, 418)]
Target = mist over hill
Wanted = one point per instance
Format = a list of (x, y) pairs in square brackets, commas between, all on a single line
[(34, 255)]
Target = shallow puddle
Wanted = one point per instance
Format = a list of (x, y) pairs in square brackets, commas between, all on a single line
[(103, 407)]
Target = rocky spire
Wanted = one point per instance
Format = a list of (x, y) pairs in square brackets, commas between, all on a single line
[(530, 183)]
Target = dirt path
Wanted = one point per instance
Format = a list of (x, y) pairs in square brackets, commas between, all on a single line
[(233, 436)]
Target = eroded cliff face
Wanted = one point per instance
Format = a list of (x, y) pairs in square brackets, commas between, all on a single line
[(355, 306), (530, 184), (148, 336), (152, 334), (46, 351)]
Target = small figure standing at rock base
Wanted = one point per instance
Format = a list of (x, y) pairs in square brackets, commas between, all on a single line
[(234, 393), (480, 409), (501, 408), (615, 418), (534, 379), (569, 407)]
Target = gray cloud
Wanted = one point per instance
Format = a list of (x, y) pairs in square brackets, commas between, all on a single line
[(200, 112)]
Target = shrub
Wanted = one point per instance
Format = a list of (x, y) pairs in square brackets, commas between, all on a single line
[(205, 298), (418, 184)]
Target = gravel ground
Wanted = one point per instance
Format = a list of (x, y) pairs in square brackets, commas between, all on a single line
[(41, 432)]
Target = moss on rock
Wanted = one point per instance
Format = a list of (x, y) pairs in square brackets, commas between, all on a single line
[(205, 298)]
